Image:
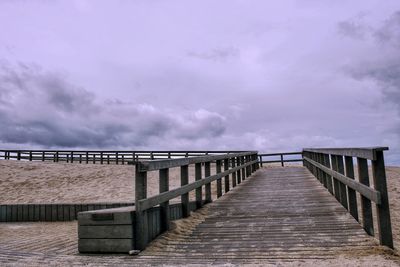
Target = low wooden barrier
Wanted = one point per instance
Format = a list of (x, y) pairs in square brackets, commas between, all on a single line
[(239, 165), (334, 168), (51, 212), (281, 160), (101, 157)]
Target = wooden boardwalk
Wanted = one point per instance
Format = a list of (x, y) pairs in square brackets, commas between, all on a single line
[(279, 214), (276, 215)]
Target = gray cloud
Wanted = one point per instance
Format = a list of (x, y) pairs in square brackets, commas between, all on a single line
[(41, 108), (352, 29), (389, 32)]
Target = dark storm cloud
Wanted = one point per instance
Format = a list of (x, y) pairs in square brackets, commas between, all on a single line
[(41, 108)]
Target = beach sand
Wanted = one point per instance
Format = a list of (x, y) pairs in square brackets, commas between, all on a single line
[(43, 182)]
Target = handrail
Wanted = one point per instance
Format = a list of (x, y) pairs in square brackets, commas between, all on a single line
[(334, 168), (360, 152), (99, 156), (238, 165), (281, 160), (171, 163)]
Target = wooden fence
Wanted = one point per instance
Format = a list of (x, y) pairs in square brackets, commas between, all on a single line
[(281, 160), (101, 157), (239, 165), (334, 168)]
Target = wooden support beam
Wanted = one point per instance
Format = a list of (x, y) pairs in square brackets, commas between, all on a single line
[(226, 178), (383, 213), (164, 207), (141, 223), (207, 173), (219, 183), (199, 191), (233, 163), (366, 208), (351, 192), (342, 187), (185, 197)]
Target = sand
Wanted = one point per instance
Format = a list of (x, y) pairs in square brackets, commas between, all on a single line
[(43, 182)]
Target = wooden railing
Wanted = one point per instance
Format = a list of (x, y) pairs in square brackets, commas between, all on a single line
[(101, 157), (239, 165), (338, 177), (281, 160)]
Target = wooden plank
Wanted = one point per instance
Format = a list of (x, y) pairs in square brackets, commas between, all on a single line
[(171, 163), (105, 245), (226, 178), (328, 177), (239, 172), (141, 224), (106, 231), (233, 163), (164, 207), (336, 186), (365, 153), (351, 192), (185, 196), (366, 208), (199, 190), (219, 183), (207, 173), (383, 212), (342, 186)]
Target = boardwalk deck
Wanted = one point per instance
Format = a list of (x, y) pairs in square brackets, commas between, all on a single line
[(278, 214)]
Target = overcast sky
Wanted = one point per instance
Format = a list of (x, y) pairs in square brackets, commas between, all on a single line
[(180, 75)]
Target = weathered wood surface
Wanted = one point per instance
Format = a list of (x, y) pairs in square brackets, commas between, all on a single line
[(279, 213), (276, 215)]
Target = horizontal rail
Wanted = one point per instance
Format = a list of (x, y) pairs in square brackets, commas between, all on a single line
[(283, 153), (171, 163), (364, 152), (102, 157), (364, 190), (282, 160), (145, 204)]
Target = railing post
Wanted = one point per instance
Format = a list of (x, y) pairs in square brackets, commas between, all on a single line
[(226, 178), (219, 183), (30, 155), (101, 157), (141, 220), (351, 192), (199, 191), (383, 213), (327, 164), (164, 207), (207, 173), (233, 162), (335, 181), (261, 163), (244, 170), (366, 208), (283, 165), (342, 186), (72, 157), (185, 197), (87, 157), (238, 173)]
